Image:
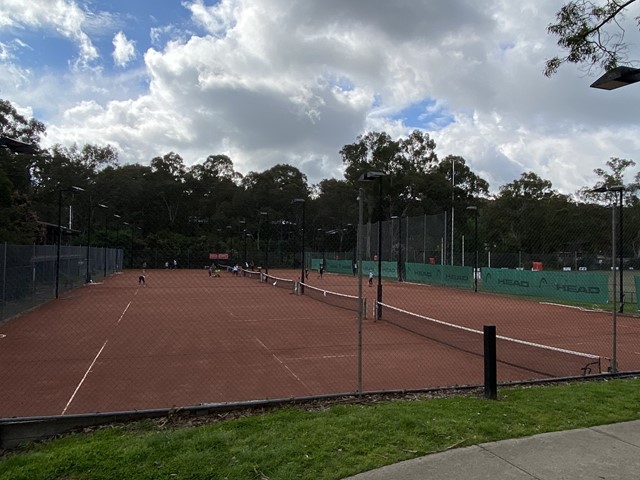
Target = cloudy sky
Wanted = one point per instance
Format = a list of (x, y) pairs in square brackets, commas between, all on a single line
[(292, 81)]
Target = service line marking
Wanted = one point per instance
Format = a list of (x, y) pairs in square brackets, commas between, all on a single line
[(284, 365)]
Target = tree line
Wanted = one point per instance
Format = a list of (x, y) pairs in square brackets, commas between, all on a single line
[(210, 207)]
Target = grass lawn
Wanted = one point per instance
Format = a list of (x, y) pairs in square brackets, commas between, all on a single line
[(331, 442)]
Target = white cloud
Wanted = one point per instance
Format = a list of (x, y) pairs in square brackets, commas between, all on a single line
[(65, 17), (124, 50), (275, 81)]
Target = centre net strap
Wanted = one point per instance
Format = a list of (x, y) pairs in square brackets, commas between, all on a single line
[(537, 358)]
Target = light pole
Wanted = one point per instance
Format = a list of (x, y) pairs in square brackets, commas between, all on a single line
[(368, 177), (59, 239), (266, 252), (117, 217), (360, 302), (106, 220), (611, 80), (400, 264), (301, 289), (88, 273), (399, 218), (474, 209), (614, 356), (131, 255), (244, 245), (230, 242)]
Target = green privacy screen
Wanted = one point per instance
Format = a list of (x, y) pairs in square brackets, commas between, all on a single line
[(573, 286), (461, 277)]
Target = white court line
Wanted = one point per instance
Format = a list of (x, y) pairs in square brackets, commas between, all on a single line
[(582, 309), (92, 364), (283, 364), (125, 311), (83, 378)]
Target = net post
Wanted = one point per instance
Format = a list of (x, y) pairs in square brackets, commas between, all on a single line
[(490, 370)]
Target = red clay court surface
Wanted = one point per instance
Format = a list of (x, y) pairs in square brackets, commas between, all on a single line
[(187, 339)]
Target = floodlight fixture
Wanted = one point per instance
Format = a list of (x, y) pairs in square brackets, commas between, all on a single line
[(617, 77), (370, 176), (17, 146)]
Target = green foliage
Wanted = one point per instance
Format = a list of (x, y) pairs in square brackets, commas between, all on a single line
[(590, 33), (172, 209)]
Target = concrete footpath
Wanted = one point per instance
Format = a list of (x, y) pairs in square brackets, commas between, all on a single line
[(606, 452)]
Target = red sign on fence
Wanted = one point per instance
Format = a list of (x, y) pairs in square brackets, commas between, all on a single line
[(218, 256)]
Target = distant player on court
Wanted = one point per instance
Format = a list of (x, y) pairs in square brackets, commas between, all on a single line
[(142, 280), (370, 277)]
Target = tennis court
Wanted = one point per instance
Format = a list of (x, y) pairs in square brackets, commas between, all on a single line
[(187, 339)]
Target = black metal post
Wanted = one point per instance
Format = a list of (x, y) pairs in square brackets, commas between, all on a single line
[(106, 233), (475, 260), (400, 277), (621, 256), (379, 309), (58, 240), (88, 275), (490, 369), (266, 253), (244, 234), (131, 254), (302, 252), (115, 215), (474, 209)]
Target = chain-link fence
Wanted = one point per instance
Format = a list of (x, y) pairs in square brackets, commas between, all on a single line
[(34, 274), (162, 338)]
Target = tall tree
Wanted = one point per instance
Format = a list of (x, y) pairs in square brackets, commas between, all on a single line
[(168, 174), (17, 217), (520, 218)]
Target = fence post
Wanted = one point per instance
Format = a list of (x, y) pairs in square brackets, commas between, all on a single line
[(4, 280), (490, 371)]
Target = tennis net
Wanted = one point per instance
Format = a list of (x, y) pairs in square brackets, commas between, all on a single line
[(252, 274), (341, 300), (285, 283), (540, 359)]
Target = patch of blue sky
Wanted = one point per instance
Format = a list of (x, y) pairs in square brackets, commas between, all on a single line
[(33, 49), (424, 115), (340, 81)]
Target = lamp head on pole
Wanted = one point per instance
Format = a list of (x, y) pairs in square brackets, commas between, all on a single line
[(370, 176), (617, 77), (612, 188), (16, 146)]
